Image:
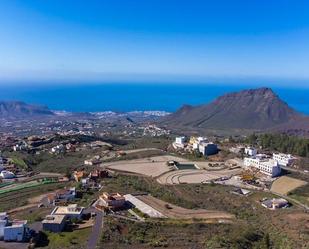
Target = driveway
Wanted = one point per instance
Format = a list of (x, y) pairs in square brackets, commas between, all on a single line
[(96, 229)]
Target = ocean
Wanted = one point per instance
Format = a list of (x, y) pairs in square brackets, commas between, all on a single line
[(124, 97)]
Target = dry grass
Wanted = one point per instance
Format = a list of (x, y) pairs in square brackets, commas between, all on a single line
[(286, 184)]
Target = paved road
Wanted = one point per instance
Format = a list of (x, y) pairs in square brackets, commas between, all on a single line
[(96, 229)]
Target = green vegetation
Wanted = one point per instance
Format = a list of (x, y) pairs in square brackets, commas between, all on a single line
[(22, 186), (127, 234), (69, 240), (20, 198), (20, 163), (255, 227), (301, 194), (132, 184), (281, 142)]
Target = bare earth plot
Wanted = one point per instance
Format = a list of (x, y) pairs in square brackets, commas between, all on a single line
[(176, 212), (153, 166), (285, 184), (194, 176)]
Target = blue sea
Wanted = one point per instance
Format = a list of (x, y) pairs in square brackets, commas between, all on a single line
[(92, 97)]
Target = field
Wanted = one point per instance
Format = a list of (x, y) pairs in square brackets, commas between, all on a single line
[(156, 167), (286, 184), (20, 198), (152, 166), (68, 240), (194, 176)]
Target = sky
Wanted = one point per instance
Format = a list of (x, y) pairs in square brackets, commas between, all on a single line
[(78, 40)]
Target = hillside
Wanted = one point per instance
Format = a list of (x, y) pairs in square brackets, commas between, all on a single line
[(256, 109), (18, 109)]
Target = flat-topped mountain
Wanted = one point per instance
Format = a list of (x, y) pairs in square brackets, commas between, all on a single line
[(248, 109), (18, 109)]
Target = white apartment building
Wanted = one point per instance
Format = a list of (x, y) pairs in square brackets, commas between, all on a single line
[(266, 165), (180, 142), (283, 159), (250, 151)]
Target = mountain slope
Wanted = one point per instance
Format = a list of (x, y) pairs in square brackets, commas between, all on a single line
[(18, 109), (249, 109)]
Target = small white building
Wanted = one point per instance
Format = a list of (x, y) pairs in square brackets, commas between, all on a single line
[(3, 223), (180, 142), (1, 164), (266, 165), (17, 231), (5, 174), (70, 211), (207, 148), (275, 203), (58, 149), (283, 159), (250, 151)]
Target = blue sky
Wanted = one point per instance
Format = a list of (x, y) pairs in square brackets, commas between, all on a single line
[(153, 40)]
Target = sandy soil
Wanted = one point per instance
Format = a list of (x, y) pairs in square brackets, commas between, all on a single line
[(153, 166), (285, 184), (194, 176)]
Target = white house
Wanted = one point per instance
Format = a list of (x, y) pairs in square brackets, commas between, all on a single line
[(3, 223), (207, 148), (265, 165), (250, 151), (1, 164), (5, 174), (180, 141), (17, 231), (58, 149), (283, 159), (70, 211)]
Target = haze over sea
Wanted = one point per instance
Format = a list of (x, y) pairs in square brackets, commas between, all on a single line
[(94, 97)]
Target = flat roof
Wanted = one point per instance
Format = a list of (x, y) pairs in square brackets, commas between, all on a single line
[(54, 219), (67, 210)]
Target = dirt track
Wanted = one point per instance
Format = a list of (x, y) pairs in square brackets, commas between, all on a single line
[(176, 212)]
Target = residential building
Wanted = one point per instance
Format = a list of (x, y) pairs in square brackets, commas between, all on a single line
[(275, 203), (250, 151), (5, 174), (93, 161), (66, 194), (283, 159), (3, 223), (78, 175), (17, 231), (95, 174), (237, 149), (58, 149), (207, 148), (180, 142), (265, 165), (70, 211), (54, 223), (112, 201)]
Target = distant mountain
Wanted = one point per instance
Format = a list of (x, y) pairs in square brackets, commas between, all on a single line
[(256, 109), (18, 109)]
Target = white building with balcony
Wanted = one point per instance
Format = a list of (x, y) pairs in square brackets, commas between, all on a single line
[(265, 165), (283, 159), (250, 151)]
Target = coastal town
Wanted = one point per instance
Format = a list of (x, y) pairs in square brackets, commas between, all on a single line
[(154, 124)]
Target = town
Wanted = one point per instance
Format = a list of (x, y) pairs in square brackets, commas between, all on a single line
[(77, 183)]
